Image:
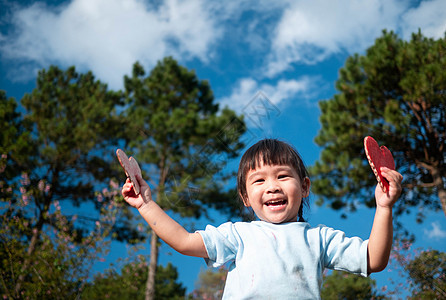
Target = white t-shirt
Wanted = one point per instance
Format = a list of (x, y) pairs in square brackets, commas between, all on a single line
[(280, 261)]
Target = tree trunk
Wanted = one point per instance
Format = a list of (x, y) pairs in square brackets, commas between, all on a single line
[(442, 196), (438, 181), (150, 285)]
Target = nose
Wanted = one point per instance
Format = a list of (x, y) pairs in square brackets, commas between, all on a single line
[(273, 187)]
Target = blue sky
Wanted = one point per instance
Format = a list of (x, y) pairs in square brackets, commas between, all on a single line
[(289, 51)]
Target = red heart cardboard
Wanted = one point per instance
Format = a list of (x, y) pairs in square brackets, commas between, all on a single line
[(131, 169), (378, 157)]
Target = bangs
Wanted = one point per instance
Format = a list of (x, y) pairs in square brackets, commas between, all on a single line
[(272, 152)]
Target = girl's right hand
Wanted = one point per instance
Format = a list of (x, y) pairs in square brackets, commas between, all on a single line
[(137, 201)]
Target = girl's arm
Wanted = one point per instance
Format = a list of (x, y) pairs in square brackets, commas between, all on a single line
[(381, 237), (164, 226)]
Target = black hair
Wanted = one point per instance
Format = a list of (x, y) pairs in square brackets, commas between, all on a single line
[(270, 152)]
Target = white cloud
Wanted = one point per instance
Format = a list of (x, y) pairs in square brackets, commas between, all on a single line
[(247, 88), (429, 16), (309, 32), (108, 36), (436, 232)]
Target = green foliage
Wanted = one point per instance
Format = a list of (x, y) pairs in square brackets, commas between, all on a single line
[(50, 264), (428, 274), (49, 277), (396, 94), (71, 124), (210, 284), (130, 284), (180, 136), (16, 146), (73, 118), (53, 154), (343, 286), (424, 271)]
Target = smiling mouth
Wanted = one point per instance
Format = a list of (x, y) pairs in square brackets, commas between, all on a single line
[(273, 203)]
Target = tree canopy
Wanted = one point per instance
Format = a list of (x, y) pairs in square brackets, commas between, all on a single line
[(210, 284), (396, 93), (52, 154), (130, 283), (346, 286), (428, 274)]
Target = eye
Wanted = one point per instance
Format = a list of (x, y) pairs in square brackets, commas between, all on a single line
[(282, 176), (258, 180)]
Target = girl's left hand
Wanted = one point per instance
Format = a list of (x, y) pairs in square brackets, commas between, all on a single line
[(389, 198)]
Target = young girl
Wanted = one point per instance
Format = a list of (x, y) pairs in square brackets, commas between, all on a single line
[(280, 256)]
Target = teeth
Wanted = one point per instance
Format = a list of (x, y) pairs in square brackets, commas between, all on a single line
[(275, 202)]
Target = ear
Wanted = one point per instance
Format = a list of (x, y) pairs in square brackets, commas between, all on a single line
[(306, 187)]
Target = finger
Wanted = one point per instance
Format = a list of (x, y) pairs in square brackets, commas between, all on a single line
[(127, 190), (395, 180), (127, 186), (391, 175)]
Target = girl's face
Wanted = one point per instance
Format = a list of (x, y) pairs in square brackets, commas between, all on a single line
[(275, 193)]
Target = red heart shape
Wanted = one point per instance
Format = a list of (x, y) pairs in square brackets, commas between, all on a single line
[(131, 168), (378, 157)]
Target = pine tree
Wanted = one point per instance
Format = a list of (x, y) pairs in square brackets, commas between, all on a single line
[(395, 93), (53, 153)]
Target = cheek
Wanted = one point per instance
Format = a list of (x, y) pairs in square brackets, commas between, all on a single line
[(252, 193), (298, 191)]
